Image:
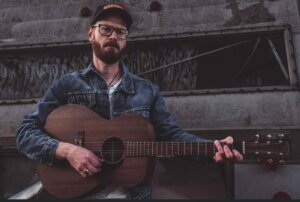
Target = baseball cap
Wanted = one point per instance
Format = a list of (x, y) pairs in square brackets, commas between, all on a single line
[(115, 8)]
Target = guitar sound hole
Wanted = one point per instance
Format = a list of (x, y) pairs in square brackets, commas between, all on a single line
[(113, 150)]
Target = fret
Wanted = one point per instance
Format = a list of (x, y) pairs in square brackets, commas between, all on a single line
[(140, 148), (191, 148), (136, 147), (172, 148), (205, 148), (128, 148), (177, 148), (144, 149), (198, 143), (156, 145), (166, 148), (148, 149), (133, 148), (161, 148), (184, 148), (152, 148)]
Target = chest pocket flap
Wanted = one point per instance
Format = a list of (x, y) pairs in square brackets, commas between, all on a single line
[(87, 99)]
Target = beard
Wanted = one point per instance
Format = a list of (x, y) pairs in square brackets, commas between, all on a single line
[(110, 53)]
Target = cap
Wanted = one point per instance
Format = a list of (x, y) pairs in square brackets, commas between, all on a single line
[(112, 8)]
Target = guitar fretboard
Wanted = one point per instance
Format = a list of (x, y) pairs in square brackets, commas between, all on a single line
[(168, 149)]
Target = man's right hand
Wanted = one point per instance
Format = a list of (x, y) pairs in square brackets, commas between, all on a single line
[(85, 162)]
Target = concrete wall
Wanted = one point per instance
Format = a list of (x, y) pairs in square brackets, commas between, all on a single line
[(237, 111), (265, 110), (41, 21)]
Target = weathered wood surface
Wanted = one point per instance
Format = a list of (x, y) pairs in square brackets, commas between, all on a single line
[(28, 75)]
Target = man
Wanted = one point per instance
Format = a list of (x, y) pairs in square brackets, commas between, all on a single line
[(107, 88)]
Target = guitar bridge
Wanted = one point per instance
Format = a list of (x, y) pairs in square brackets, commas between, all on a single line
[(79, 139)]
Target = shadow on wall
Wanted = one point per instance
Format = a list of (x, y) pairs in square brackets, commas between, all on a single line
[(255, 13)]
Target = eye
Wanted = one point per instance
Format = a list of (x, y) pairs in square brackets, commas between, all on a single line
[(121, 31), (106, 29)]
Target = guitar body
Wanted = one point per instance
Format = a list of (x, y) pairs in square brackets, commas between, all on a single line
[(74, 124)]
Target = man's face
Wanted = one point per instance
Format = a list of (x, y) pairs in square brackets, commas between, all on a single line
[(108, 49)]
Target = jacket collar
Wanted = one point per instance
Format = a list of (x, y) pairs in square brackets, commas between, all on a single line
[(126, 84)]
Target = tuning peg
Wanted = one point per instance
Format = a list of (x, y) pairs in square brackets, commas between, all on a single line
[(269, 136), (282, 161), (257, 136), (281, 136)]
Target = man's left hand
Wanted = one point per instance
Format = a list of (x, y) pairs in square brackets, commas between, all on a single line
[(224, 152)]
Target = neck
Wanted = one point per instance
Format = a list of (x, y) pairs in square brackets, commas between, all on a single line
[(108, 71)]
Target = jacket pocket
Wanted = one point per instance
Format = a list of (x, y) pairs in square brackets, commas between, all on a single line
[(142, 111), (87, 99)]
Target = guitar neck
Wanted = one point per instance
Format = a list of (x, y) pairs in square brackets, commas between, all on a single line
[(168, 149)]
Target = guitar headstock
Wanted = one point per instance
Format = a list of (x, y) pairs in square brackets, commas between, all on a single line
[(271, 149)]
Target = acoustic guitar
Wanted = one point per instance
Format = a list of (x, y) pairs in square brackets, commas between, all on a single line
[(127, 145)]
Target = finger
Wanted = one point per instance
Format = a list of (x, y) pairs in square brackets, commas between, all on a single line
[(92, 169), (96, 162), (238, 155), (82, 174), (228, 152), (218, 157), (228, 140), (219, 146)]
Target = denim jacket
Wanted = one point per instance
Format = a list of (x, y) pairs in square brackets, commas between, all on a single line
[(87, 87)]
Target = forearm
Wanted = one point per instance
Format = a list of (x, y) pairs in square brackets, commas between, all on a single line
[(31, 139), (64, 150), (35, 143)]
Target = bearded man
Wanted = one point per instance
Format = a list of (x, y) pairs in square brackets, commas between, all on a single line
[(109, 89)]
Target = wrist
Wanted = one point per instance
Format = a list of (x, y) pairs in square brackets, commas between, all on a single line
[(63, 150)]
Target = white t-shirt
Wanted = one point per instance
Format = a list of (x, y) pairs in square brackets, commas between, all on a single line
[(111, 191)]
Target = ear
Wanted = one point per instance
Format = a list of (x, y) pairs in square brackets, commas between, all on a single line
[(90, 34)]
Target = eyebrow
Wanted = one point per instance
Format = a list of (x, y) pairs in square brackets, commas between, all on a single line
[(111, 26)]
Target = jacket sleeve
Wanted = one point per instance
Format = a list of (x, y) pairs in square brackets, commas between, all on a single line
[(30, 138)]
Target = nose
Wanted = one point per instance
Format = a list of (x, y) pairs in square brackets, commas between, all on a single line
[(114, 35)]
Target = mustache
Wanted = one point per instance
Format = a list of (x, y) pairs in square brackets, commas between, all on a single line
[(113, 44)]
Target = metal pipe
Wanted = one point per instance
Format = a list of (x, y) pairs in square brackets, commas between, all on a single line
[(249, 58), (194, 57), (278, 59)]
